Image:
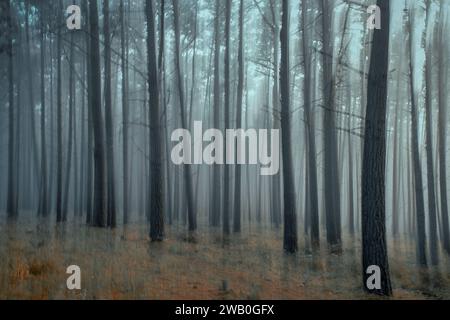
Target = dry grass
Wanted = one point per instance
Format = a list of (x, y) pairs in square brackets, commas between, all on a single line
[(123, 264)]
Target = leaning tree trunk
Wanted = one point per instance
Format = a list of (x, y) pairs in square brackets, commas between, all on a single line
[(374, 158), (156, 170), (290, 219)]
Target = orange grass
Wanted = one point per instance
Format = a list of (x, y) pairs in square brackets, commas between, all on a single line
[(124, 264)]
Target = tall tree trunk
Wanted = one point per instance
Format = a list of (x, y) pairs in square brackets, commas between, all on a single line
[(100, 195), (125, 114), (313, 202), (109, 126), (331, 176), (432, 218), (240, 93), (442, 133), (396, 146), (12, 172), (34, 149), (43, 199), (227, 94), (276, 179), (374, 161), (59, 186), (70, 131), (156, 170), (290, 219), (216, 194), (417, 169), (192, 220)]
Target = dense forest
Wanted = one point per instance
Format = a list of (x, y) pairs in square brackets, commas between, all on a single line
[(93, 91)]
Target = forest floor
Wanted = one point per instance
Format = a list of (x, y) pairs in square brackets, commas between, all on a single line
[(124, 264)]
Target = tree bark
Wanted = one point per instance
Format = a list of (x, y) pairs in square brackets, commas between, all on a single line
[(290, 219), (374, 159), (240, 92), (11, 205), (331, 176), (100, 194), (156, 170), (109, 126), (125, 114)]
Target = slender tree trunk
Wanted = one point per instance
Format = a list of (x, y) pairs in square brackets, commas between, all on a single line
[(313, 201), (240, 92), (59, 186), (192, 221), (109, 126), (100, 194), (34, 149), (276, 179), (227, 94), (432, 218), (43, 199), (70, 132), (12, 172), (216, 194), (417, 169), (290, 219), (125, 115)]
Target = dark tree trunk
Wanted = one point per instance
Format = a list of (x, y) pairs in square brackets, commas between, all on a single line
[(313, 202), (374, 158), (100, 195), (240, 92), (12, 172), (125, 115), (70, 131), (331, 176), (59, 186), (43, 198), (111, 206), (290, 219), (156, 171)]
